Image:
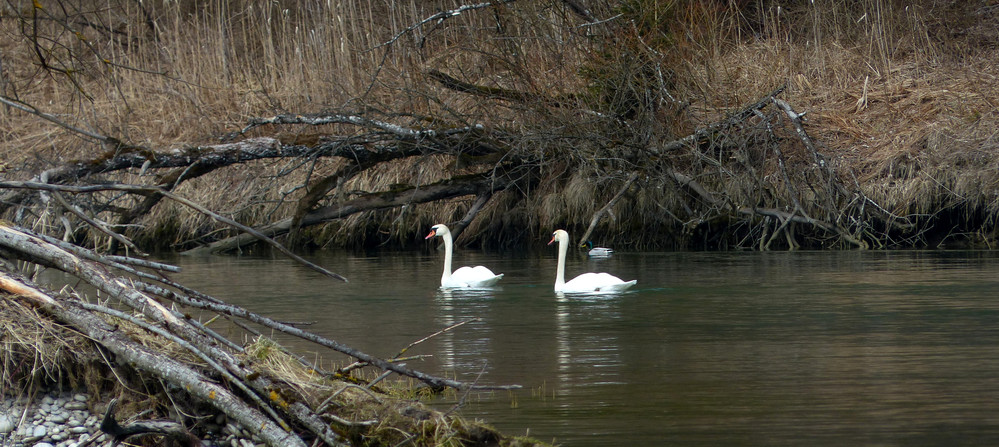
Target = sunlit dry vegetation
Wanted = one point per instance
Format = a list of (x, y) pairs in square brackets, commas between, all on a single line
[(561, 100), (129, 126)]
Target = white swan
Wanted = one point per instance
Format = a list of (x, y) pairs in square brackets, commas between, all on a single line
[(587, 282), (477, 276), (598, 252)]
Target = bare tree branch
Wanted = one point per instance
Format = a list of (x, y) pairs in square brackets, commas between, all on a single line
[(179, 199)]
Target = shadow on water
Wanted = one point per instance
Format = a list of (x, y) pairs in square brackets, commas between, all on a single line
[(817, 348)]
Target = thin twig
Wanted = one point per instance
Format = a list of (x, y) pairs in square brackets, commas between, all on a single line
[(453, 326)]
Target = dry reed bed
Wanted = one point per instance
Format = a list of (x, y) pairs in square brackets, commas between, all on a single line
[(39, 353), (899, 97)]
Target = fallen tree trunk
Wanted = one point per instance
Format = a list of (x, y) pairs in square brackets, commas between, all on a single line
[(143, 358), (408, 196), (227, 377)]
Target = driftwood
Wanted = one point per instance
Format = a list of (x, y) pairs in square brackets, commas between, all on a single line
[(259, 406), (154, 190), (374, 201), (703, 165), (164, 367), (119, 433)]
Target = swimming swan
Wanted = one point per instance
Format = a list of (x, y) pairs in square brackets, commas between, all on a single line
[(477, 276), (587, 282)]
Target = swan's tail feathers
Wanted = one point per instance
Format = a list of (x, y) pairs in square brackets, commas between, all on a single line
[(492, 281), (619, 287)]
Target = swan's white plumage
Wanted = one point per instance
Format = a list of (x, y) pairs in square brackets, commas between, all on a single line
[(477, 276), (587, 282)]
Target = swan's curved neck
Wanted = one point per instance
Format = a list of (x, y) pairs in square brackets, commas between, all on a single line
[(447, 256), (560, 273)]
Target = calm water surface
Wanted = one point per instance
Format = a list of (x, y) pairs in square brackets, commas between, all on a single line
[(807, 348)]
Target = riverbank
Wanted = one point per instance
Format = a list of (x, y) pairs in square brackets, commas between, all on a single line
[(52, 419), (656, 124), (56, 418), (172, 373)]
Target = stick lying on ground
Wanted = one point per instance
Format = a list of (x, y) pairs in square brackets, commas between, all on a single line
[(224, 375)]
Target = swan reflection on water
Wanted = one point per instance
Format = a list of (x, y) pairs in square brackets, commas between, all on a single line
[(467, 292), (455, 307)]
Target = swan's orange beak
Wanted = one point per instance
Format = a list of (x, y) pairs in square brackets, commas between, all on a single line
[(432, 234), (553, 240)]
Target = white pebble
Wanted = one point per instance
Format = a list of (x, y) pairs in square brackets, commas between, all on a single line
[(80, 397), (79, 430), (44, 444), (6, 423), (39, 430)]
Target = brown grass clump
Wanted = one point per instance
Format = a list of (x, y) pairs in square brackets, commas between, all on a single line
[(34, 351), (37, 353), (898, 96)]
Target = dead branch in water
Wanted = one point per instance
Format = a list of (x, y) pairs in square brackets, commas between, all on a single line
[(406, 196), (264, 404), (155, 190)]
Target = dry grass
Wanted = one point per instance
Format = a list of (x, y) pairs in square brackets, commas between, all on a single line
[(36, 353), (898, 94)]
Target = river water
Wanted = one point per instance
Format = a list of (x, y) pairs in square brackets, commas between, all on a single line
[(803, 348)]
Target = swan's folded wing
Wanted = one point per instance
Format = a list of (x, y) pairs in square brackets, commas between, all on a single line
[(597, 282), (475, 276)]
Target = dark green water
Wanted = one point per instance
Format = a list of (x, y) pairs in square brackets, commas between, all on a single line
[(712, 349)]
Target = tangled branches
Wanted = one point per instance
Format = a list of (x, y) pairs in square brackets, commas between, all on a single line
[(229, 380)]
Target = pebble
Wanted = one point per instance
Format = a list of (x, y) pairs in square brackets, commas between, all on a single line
[(6, 423), (64, 420), (76, 405)]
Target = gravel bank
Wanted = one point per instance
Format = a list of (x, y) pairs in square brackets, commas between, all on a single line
[(57, 419)]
